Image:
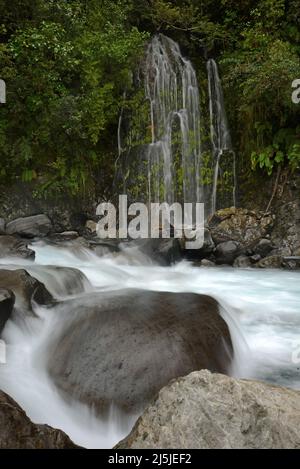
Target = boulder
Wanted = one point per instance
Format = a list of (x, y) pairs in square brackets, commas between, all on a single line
[(121, 348), (65, 236), (270, 262), (213, 411), (25, 288), (11, 246), (18, 432), (7, 301), (227, 252), (2, 226), (205, 251), (243, 226), (207, 263), (264, 247), (29, 227), (91, 226), (162, 251), (242, 262)]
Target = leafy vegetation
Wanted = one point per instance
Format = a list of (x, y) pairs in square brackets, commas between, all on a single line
[(67, 64)]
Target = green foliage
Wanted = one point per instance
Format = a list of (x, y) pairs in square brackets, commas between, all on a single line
[(68, 63)]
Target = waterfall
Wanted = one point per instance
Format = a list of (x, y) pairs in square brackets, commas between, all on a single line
[(219, 129), (172, 89)]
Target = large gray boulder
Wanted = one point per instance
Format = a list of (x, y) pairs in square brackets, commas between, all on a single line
[(7, 301), (18, 432), (37, 225), (26, 289), (213, 411), (11, 246), (121, 348)]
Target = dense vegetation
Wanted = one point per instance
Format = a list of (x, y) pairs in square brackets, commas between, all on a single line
[(67, 62)]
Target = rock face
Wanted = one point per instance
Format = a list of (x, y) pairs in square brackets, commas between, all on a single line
[(243, 226), (18, 432), (15, 247), (212, 411), (123, 348), (25, 288), (37, 225), (7, 301)]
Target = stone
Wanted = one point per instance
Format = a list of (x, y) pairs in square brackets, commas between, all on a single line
[(264, 247), (123, 347), (65, 236), (242, 262), (227, 252), (205, 251), (7, 301), (270, 262), (207, 263), (11, 246), (91, 226), (2, 226), (240, 225), (255, 258), (213, 411), (26, 289), (30, 227), (18, 432), (162, 251)]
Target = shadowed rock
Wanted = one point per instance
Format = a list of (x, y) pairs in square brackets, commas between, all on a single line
[(25, 288), (7, 301), (11, 246), (18, 432)]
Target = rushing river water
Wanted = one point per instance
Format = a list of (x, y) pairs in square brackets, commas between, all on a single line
[(262, 309)]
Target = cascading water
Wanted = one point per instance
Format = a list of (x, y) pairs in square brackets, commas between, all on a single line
[(219, 129), (172, 89)]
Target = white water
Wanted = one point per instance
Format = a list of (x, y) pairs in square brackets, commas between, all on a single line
[(172, 89), (219, 128), (261, 307)]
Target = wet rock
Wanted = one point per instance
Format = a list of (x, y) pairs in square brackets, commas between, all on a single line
[(242, 262), (207, 263), (270, 262), (213, 411), (264, 247), (7, 301), (18, 432), (91, 226), (25, 288), (162, 251), (11, 246), (65, 236), (205, 251), (29, 227), (255, 258), (122, 348), (227, 252)]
